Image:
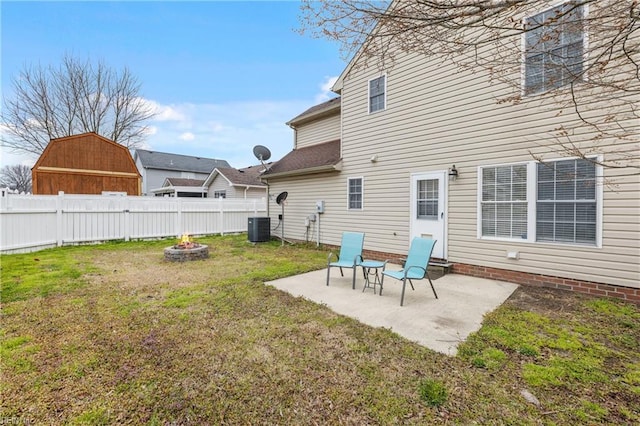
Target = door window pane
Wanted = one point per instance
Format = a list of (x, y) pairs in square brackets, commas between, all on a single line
[(427, 199)]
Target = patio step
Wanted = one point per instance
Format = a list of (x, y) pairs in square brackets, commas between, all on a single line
[(445, 266)]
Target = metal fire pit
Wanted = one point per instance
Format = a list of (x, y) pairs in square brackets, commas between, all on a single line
[(183, 254)]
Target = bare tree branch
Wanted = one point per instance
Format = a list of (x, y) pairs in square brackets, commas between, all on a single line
[(76, 97), (488, 35), (16, 177)]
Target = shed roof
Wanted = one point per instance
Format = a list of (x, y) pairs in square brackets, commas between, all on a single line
[(187, 163), (316, 158)]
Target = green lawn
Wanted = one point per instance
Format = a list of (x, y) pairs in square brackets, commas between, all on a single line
[(113, 334)]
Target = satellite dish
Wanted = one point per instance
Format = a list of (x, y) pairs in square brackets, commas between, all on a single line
[(262, 153), (280, 200), (281, 197)]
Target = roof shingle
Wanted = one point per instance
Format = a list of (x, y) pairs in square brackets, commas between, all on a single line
[(173, 181), (167, 161), (245, 176), (328, 107), (314, 157)]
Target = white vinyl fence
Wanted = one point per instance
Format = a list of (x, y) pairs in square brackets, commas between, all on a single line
[(34, 222)]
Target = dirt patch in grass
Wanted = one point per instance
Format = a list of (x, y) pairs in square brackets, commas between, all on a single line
[(546, 300), (121, 336)]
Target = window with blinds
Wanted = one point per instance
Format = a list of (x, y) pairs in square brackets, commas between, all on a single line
[(551, 201), (554, 48), (504, 201), (566, 208)]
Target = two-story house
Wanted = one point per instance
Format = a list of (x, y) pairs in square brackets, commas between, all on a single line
[(155, 167), (422, 148)]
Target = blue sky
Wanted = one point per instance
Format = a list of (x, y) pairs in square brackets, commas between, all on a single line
[(223, 76)]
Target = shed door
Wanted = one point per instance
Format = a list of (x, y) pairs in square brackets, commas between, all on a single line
[(428, 209)]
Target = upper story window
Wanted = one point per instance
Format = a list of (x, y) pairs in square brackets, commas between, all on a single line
[(220, 194), (355, 193), (554, 48), (377, 94)]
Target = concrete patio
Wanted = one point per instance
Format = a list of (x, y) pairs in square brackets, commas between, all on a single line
[(439, 324)]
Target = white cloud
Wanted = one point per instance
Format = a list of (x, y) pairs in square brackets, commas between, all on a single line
[(226, 131), (187, 136), (325, 88), (164, 112)]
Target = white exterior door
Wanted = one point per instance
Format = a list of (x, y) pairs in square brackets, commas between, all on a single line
[(429, 210)]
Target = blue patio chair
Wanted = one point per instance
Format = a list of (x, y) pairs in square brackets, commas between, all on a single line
[(415, 267), (350, 254)]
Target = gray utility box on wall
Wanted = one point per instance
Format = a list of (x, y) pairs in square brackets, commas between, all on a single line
[(259, 229)]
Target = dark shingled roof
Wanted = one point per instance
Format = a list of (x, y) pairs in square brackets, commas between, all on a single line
[(246, 176), (319, 157), (172, 181), (186, 163), (317, 111)]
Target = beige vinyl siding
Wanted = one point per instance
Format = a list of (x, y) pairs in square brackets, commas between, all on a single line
[(323, 130), (303, 192), (438, 116)]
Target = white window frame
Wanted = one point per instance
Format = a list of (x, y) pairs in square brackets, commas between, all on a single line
[(532, 198), (217, 194), (510, 202), (369, 94), (523, 48), (349, 179)]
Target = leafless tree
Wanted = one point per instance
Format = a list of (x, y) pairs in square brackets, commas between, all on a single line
[(16, 177), (75, 97), (489, 35)]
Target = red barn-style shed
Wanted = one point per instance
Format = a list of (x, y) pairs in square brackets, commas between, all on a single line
[(85, 164)]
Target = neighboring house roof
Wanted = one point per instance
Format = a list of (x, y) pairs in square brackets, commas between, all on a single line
[(316, 158), (248, 176), (186, 163), (173, 185), (171, 181), (329, 107)]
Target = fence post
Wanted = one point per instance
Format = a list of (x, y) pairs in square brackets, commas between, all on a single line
[(221, 208), (179, 217), (59, 222), (127, 219)]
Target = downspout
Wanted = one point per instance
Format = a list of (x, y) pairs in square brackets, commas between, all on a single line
[(246, 188)]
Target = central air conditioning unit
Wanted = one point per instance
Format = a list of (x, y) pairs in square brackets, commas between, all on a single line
[(259, 229)]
